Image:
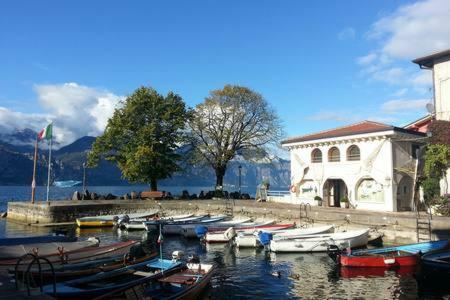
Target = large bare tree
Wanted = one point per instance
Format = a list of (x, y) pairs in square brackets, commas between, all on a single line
[(233, 120)]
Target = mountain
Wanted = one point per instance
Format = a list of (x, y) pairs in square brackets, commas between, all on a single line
[(16, 163)]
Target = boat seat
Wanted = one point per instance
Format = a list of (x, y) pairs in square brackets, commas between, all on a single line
[(179, 279), (143, 274)]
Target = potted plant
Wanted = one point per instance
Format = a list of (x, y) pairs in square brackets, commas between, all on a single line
[(345, 201), (319, 200)]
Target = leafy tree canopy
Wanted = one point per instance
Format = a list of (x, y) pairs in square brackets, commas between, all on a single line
[(143, 135), (233, 120)]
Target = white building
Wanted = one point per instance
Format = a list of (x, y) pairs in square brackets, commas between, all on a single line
[(371, 164)]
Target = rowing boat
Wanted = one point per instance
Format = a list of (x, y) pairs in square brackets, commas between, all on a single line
[(105, 282), (108, 220), (320, 242), (191, 230), (224, 236), (137, 224), (36, 239), (263, 237)]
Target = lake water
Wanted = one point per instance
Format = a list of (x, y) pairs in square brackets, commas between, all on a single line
[(247, 273)]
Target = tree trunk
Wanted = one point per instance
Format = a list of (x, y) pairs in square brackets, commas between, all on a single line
[(220, 173), (153, 185)]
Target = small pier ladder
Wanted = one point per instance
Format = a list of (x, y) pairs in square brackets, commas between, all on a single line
[(229, 207), (303, 216), (423, 228)]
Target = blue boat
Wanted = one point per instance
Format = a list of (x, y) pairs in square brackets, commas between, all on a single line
[(424, 247), (105, 282), (36, 239)]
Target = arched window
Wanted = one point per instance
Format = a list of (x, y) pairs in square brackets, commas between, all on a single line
[(353, 153), (334, 155), (316, 156)]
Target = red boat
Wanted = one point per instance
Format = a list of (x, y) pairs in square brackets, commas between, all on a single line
[(390, 259), (349, 272)]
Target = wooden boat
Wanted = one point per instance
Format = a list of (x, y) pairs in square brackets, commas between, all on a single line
[(105, 282), (137, 224), (76, 270), (178, 228), (44, 249), (349, 272), (186, 284), (230, 233), (36, 239), (190, 231), (437, 264), (201, 230), (320, 242), (107, 220), (154, 224), (63, 256), (263, 237)]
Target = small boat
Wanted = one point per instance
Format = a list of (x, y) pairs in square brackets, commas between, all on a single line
[(44, 249), (154, 224), (350, 272), (436, 265), (108, 220), (106, 282), (190, 231), (230, 233), (63, 256), (66, 183), (76, 270), (136, 224), (36, 239), (250, 226), (388, 257), (320, 242), (187, 283), (178, 228), (263, 237)]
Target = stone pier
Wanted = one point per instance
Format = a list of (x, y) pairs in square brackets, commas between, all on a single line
[(398, 227)]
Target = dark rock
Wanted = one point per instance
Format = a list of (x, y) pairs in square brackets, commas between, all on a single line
[(4, 214), (76, 196), (245, 196), (110, 197), (193, 196), (86, 195), (184, 194), (101, 197)]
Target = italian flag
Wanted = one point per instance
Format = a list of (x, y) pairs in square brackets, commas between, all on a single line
[(46, 133)]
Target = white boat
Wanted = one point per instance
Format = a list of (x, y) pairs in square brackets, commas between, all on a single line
[(137, 224), (178, 228), (44, 249), (224, 236), (320, 242), (154, 224), (66, 183), (258, 238), (108, 220), (189, 230)]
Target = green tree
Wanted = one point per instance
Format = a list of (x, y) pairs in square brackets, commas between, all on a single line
[(233, 120), (143, 135)]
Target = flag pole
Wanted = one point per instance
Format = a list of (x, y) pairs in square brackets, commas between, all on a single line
[(33, 183), (49, 162)]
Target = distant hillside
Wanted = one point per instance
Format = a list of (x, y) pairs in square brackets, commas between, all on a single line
[(16, 163)]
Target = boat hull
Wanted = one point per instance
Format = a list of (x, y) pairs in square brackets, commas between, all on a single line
[(320, 243), (389, 260)]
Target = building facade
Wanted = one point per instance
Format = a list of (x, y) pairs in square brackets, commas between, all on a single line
[(371, 165)]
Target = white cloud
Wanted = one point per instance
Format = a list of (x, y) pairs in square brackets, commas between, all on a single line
[(404, 105), (400, 92), (346, 34), (75, 110), (411, 31)]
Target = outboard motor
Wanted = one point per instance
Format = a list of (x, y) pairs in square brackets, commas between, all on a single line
[(334, 253), (265, 238), (201, 231), (177, 255), (193, 259)]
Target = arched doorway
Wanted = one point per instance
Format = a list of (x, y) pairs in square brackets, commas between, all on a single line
[(405, 193), (333, 191)]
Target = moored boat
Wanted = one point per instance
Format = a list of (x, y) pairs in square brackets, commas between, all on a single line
[(190, 231), (36, 239), (320, 242), (154, 224), (177, 228), (106, 282), (224, 236), (64, 255), (263, 237), (108, 220), (137, 223), (436, 265)]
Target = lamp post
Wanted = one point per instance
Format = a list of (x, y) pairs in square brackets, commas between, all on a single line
[(84, 180), (240, 183)]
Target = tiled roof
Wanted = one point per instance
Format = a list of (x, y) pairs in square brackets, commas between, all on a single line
[(353, 129)]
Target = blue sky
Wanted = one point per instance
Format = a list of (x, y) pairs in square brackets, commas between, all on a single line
[(320, 64)]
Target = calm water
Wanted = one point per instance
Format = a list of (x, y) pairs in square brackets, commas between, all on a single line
[(247, 274)]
